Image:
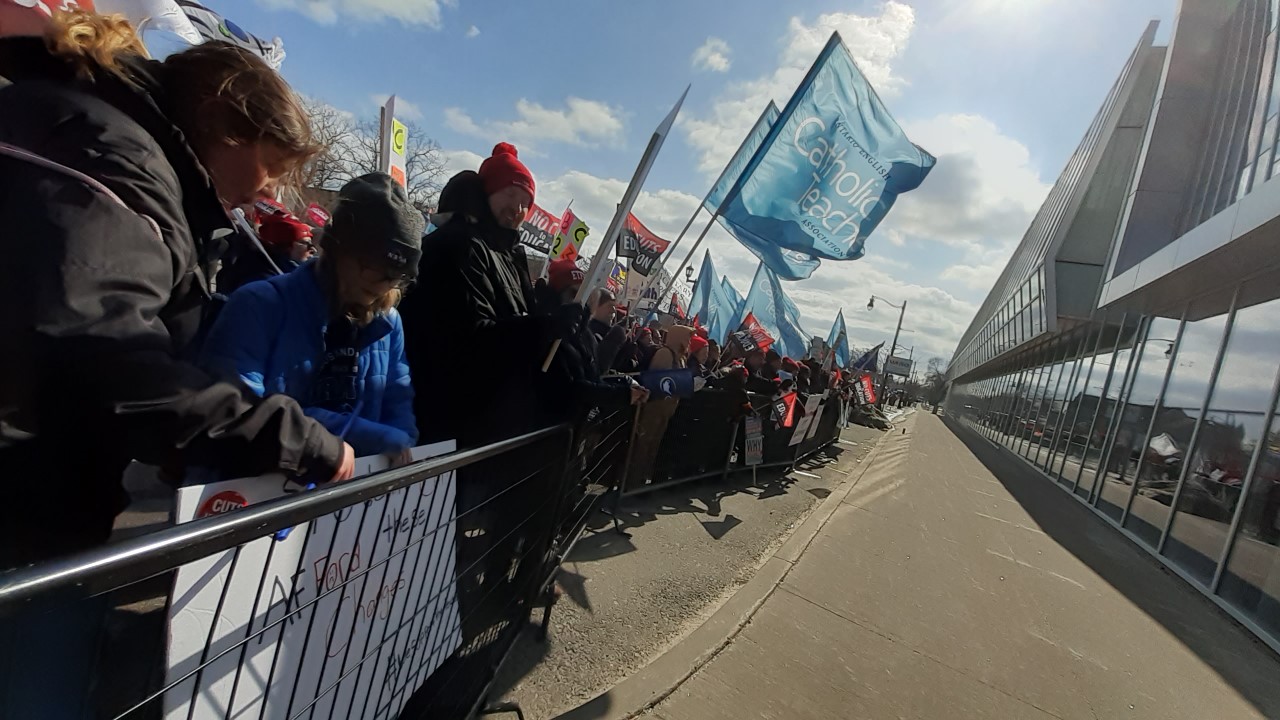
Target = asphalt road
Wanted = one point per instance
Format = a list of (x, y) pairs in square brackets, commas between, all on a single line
[(627, 599)]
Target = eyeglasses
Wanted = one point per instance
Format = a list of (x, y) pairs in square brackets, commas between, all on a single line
[(376, 274)]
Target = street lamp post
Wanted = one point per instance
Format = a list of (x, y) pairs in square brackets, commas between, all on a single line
[(902, 311)]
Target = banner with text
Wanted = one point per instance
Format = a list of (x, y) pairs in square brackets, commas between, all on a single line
[(830, 168), (645, 245), (539, 229), (354, 609)]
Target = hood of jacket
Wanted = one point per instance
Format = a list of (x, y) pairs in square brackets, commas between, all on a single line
[(464, 203), (141, 95)]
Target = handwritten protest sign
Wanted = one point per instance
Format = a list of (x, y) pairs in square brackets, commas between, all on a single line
[(347, 615)]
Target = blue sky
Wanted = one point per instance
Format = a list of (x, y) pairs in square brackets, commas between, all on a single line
[(1000, 90)]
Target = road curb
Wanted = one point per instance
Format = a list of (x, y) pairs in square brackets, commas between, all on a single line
[(667, 672)]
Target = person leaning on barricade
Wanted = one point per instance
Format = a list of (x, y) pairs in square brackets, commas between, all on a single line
[(474, 299), (115, 177), (329, 335), (574, 374)]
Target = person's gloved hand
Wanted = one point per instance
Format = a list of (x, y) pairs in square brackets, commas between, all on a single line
[(568, 318)]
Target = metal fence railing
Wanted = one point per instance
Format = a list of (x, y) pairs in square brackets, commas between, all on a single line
[(402, 590), (399, 594)]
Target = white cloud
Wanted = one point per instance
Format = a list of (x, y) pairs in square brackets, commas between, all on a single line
[(328, 12), (405, 110), (713, 56), (473, 31), (874, 40), (979, 199), (455, 161), (587, 123), (935, 316)]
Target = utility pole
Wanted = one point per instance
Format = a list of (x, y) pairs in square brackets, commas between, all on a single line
[(902, 311)]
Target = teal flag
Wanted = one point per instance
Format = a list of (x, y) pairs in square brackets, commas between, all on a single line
[(829, 170)]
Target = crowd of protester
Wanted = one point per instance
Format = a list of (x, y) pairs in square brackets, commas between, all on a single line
[(156, 312)]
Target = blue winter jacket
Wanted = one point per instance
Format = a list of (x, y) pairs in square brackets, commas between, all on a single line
[(271, 335)]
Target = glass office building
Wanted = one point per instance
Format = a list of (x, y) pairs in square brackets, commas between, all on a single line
[(1145, 379)]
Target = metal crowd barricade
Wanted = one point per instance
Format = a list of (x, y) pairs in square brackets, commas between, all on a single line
[(697, 442), (413, 622), (826, 431), (598, 467)]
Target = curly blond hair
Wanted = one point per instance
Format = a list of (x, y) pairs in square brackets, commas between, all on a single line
[(90, 41)]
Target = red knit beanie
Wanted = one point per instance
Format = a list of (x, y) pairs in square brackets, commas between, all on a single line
[(503, 169), (563, 273), (696, 343), (283, 231)]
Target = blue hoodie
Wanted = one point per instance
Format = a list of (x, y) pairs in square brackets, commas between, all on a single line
[(271, 336)]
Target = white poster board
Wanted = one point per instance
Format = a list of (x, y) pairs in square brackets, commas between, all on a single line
[(806, 422), (817, 417), (369, 595)]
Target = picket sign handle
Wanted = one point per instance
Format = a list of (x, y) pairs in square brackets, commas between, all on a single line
[(610, 238), (546, 364)]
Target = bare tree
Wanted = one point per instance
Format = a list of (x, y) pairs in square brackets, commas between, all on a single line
[(332, 130), (424, 161), (935, 382), (349, 148)]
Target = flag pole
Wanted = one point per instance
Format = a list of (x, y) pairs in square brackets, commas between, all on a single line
[(624, 208), (672, 250), (687, 258), (702, 205)]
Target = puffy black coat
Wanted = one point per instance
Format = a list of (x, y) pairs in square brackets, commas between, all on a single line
[(471, 314), (101, 295)]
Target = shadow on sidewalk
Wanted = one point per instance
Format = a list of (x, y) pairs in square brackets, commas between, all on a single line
[(1233, 652)]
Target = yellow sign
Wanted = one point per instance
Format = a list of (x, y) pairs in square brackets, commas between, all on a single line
[(572, 233), (399, 137)]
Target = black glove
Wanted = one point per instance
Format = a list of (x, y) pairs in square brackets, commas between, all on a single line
[(568, 318)]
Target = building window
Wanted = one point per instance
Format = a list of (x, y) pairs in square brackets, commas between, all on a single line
[(1171, 434), (1230, 431), (1130, 449), (1100, 435)]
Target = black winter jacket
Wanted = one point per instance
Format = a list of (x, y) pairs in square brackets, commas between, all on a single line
[(471, 314), (101, 295), (573, 384)]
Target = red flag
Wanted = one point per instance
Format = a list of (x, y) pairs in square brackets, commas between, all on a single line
[(639, 242), (759, 336), (675, 306), (785, 409), (866, 390)]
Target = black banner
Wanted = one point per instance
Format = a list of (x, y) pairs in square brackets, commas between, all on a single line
[(535, 237)]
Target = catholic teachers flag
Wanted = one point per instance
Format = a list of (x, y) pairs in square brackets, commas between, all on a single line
[(830, 168)]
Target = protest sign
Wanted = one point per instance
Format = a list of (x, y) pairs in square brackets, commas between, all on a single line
[(354, 609), (641, 243), (802, 427), (539, 229), (817, 417), (568, 243)]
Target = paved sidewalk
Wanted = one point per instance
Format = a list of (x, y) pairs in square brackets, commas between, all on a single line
[(938, 589)]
